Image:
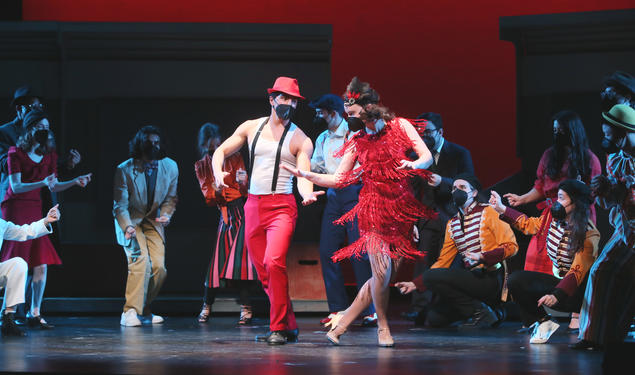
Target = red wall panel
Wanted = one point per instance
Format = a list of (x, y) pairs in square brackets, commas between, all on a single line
[(442, 56)]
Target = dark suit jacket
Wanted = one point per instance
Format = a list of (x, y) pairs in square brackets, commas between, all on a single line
[(453, 160)]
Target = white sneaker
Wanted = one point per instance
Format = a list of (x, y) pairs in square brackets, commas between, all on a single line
[(157, 319), (543, 331), (130, 319)]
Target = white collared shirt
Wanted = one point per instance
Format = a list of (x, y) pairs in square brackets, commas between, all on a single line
[(326, 144)]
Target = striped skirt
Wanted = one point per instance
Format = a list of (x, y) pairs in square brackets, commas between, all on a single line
[(230, 260)]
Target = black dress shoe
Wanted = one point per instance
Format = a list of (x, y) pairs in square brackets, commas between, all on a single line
[(584, 345), (277, 338), (484, 317), (292, 335), (9, 328), (38, 322)]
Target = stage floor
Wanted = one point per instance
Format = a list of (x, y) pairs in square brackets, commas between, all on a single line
[(182, 346)]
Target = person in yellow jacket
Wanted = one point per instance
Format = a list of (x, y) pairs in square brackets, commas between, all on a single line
[(571, 247), (468, 285)]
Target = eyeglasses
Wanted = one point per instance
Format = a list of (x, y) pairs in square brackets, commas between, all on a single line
[(429, 131), (38, 106)]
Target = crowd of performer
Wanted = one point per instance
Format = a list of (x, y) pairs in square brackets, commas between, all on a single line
[(396, 190)]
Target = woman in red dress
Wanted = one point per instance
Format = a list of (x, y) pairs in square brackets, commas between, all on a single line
[(387, 209), (33, 165), (230, 260)]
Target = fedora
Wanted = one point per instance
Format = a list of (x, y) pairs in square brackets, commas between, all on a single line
[(287, 86), (621, 115)]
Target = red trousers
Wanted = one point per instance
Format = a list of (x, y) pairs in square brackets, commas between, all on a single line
[(269, 225)]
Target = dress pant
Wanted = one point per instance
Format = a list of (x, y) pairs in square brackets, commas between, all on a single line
[(527, 287), (460, 292), (431, 237), (332, 237), (13, 280), (146, 268), (269, 224)]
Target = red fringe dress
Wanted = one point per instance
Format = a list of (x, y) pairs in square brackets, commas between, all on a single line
[(387, 208)]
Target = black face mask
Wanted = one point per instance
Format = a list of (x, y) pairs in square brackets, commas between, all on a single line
[(429, 141), (459, 197), (320, 122), (45, 145), (355, 124), (560, 140), (151, 151), (558, 211), (284, 111), (609, 146)]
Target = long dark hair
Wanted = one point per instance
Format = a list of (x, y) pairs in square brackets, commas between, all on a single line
[(578, 225), (205, 133), (578, 156), (135, 146)]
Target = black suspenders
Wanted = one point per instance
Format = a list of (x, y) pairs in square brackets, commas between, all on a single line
[(276, 167)]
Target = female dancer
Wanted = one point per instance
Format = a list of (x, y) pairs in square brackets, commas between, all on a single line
[(568, 158), (387, 209), (33, 165), (230, 260), (572, 246)]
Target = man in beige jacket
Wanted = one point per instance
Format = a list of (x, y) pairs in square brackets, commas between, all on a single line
[(144, 201)]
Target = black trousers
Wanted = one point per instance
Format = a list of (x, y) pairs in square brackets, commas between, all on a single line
[(460, 292), (527, 287)]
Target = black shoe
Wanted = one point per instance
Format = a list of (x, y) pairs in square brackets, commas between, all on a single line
[(277, 338), (9, 328), (38, 322), (292, 335), (584, 345), (501, 314), (484, 317)]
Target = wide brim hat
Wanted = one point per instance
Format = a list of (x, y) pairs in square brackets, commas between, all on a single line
[(287, 86), (23, 92), (621, 115)]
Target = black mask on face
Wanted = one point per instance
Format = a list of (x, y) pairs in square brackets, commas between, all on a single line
[(150, 151), (284, 111), (355, 124), (560, 140), (609, 146), (320, 122), (45, 145), (459, 197), (429, 141), (558, 211)]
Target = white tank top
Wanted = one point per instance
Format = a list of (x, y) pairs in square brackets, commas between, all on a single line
[(264, 160)]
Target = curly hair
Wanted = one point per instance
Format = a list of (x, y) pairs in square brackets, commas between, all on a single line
[(579, 158), (42, 137), (135, 146), (206, 132)]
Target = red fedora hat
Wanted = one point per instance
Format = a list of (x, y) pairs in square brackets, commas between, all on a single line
[(287, 86)]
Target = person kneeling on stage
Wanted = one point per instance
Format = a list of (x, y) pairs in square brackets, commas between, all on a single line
[(572, 244), (13, 271), (483, 242)]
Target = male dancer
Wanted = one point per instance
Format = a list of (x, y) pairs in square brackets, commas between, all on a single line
[(271, 211), (329, 110)]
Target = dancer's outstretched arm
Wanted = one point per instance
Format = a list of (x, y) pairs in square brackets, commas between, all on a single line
[(420, 148), (325, 180)]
